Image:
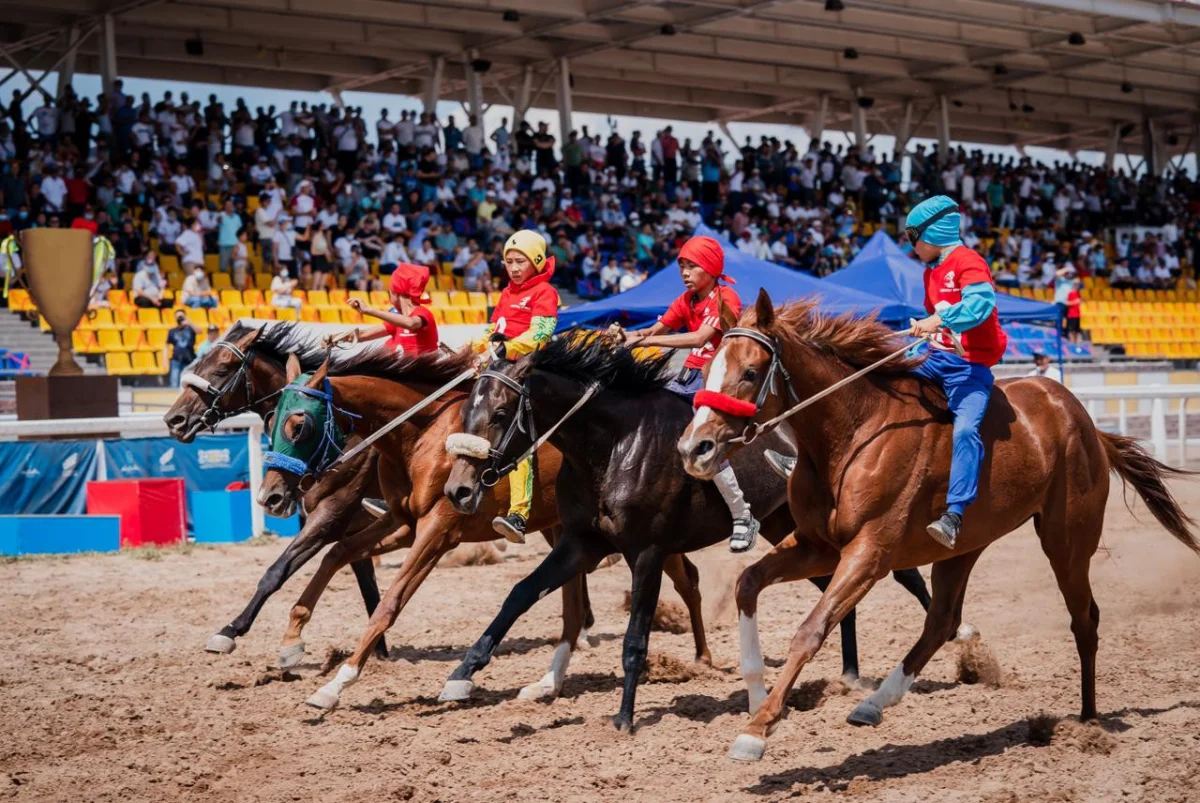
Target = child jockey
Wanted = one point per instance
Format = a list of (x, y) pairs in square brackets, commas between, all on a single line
[(706, 309), (524, 319), (408, 326)]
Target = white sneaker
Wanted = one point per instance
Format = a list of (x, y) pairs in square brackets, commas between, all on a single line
[(745, 533)]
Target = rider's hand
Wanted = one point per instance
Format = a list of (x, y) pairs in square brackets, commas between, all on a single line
[(926, 326), (618, 333), (355, 304)]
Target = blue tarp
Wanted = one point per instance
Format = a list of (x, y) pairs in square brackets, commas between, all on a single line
[(651, 298), (45, 477), (882, 269)]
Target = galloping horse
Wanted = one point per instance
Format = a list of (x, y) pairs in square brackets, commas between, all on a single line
[(873, 467), (413, 467), (621, 487), (244, 372)]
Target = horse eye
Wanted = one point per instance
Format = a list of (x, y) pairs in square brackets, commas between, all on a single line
[(500, 415), (749, 375)]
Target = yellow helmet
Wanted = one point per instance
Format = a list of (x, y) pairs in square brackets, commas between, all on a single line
[(531, 244)]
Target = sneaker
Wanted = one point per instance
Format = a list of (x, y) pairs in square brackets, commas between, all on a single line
[(376, 507), (745, 532), (945, 530), (512, 527), (781, 464)]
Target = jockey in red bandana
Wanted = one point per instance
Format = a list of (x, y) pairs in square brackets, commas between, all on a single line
[(409, 326), (705, 310)]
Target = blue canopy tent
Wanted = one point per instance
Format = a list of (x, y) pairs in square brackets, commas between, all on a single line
[(644, 303)]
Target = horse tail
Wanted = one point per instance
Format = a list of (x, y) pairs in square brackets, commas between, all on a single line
[(1138, 468)]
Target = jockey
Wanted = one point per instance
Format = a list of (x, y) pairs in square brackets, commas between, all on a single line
[(524, 319), (961, 297), (409, 327), (706, 309)]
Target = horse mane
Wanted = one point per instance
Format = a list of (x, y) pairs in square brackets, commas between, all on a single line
[(592, 356), (853, 339), (281, 339)]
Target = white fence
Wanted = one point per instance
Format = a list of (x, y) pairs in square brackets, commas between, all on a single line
[(1096, 400), (145, 424)]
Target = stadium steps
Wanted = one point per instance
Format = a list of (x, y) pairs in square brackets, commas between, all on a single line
[(18, 334)]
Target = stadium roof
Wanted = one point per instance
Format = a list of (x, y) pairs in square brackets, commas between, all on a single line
[(1058, 73)]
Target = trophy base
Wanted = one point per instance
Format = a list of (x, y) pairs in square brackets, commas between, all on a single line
[(81, 396)]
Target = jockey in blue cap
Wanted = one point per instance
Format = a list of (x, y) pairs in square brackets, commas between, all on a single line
[(960, 296)]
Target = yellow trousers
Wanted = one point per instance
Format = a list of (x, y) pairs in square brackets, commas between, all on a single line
[(520, 482)]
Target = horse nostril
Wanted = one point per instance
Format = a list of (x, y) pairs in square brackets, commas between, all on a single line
[(274, 500), (177, 421), (461, 494), (704, 447)]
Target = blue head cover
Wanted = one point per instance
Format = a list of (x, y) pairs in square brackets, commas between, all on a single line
[(945, 231)]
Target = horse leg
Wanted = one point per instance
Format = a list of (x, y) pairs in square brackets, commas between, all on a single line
[(552, 534), (572, 627), (686, 578), (647, 581), (788, 561), (849, 637), (861, 565), (569, 557), (912, 580), (949, 589), (368, 586), (361, 545), (433, 540)]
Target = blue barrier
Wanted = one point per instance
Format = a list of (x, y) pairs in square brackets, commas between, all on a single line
[(31, 535), (223, 517)]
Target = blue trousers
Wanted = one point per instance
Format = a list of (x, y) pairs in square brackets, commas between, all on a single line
[(968, 387)]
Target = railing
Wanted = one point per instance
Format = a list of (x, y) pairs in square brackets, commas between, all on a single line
[(1157, 395), (146, 424)]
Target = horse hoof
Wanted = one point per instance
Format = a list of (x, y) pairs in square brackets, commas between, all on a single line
[(290, 655), (866, 713), (748, 748), (455, 691), (966, 633), (220, 644), (622, 725), (324, 699), (542, 690)]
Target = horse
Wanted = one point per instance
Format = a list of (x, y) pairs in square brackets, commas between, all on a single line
[(370, 390), (244, 372), (873, 469), (621, 487)]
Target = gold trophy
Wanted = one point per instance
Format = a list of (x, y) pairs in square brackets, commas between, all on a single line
[(58, 269)]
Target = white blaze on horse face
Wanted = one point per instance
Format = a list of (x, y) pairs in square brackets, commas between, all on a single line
[(752, 660), (892, 690), (716, 380)]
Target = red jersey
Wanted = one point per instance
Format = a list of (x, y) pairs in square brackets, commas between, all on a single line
[(985, 344), (1073, 304), (414, 341), (519, 304), (686, 313)]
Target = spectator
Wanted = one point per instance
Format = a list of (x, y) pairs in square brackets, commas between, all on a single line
[(1043, 367), (240, 259), (213, 336), (197, 292), (148, 284), (282, 289), (182, 340), (1074, 312), (190, 247), (283, 246)]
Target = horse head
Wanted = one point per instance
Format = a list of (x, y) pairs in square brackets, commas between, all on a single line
[(218, 386), (497, 427), (743, 384)]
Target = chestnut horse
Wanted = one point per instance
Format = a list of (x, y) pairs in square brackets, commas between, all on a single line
[(244, 372), (873, 469), (370, 390)]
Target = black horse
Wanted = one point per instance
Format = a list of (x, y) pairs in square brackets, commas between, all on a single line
[(622, 487)]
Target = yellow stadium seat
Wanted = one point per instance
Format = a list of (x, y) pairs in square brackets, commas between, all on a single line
[(350, 316), (175, 280), (493, 298), (444, 282), (458, 299), (380, 299), (439, 298), (43, 324), (265, 313), (19, 300), (474, 315), (156, 339), (251, 204), (452, 315), (439, 314), (135, 340), (102, 319), (116, 363), (288, 313), (231, 298), (110, 340), (477, 300), (211, 262), (262, 281), (168, 263), (329, 315), (361, 296), (252, 298), (239, 311), (221, 281), (318, 298), (338, 298), (310, 314), (145, 364), (198, 316), (444, 268), (84, 342), (149, 317), (219, 317), (125, 316)]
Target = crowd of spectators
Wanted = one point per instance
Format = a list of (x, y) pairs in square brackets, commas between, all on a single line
[(321, 193)]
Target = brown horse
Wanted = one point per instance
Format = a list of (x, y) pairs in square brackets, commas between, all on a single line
[(413, 468), (873, 468)]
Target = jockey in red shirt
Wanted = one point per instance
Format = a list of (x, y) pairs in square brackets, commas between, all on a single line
[(705, 310), (408, 326)]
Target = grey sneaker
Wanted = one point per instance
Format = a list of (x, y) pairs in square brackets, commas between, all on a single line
[(945, 530), (781, 464), (512, 527), (745, 532), (376, 507)]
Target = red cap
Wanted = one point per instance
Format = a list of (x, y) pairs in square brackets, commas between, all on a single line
[(410, 280), (706, 252)]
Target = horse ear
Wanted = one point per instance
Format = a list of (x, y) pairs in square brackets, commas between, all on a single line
[(764, 308), (319, 376), (293, 367)]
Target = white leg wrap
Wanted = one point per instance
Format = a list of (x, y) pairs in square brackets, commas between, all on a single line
[(892, 690), (752, 660), (462, 444), (552, 682), (731, 492)]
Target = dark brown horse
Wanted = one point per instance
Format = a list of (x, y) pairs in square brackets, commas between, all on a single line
[(413, 468), (244, 373), (873, 469)]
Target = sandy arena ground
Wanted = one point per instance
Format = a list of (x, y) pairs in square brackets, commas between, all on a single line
[(108, 694)]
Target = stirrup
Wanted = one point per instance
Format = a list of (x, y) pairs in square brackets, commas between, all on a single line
[(743, 541), (376, 507), (781, 464)]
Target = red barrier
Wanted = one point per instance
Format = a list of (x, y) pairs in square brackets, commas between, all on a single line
[(151, 511)]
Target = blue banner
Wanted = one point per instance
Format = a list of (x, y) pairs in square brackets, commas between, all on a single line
[(46, 477), (209, 463)]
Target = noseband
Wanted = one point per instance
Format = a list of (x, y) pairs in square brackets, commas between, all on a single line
[(743, 409), (495, 470), (214, 396)]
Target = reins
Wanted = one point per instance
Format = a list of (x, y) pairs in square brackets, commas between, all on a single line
[(213, 414)]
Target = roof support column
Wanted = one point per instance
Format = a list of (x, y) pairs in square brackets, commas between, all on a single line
[(1114, 140), (108, 53), (816, 126), (474, 85), (66, 70), (524, 95), (905, 133), (858, 121), (564, 99), (433, 84), (1151, 152), (943, 129)]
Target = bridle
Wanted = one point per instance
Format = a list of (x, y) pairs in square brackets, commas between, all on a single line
[(733, 406), (214, 395), (326, 452)]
